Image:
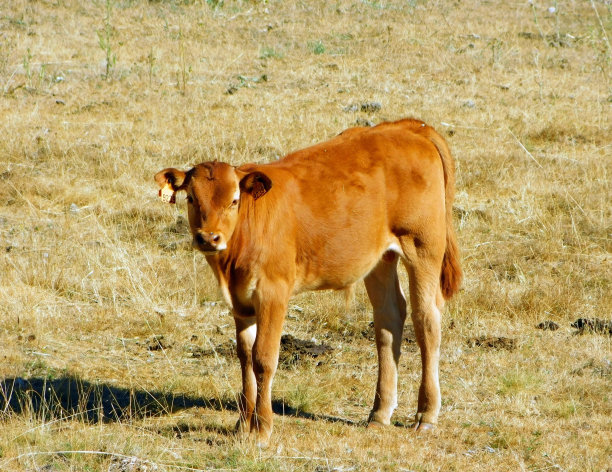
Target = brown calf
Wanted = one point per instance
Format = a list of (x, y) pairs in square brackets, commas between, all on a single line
[(324, 218)]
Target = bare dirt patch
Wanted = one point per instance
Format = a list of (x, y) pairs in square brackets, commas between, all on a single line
[(547, 326), (408, 336), (158, 342), (293, 350), (493, 342), (225, 349)]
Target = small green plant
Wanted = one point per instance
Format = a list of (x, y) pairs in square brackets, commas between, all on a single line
[(267, 52), (499, 441), (537, 23), (104, 39), (517, 382), (151, 63), (561, 409), (496, 46), (214, 4), (42, 73), (27, 62), (300, 398), (374, 4), (317, 46), (306, 397)]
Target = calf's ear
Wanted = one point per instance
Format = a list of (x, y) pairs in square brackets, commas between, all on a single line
[(256, 183), (172, 178), (170, 181)]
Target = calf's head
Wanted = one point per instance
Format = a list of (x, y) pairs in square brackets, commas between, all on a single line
[(214, 193)]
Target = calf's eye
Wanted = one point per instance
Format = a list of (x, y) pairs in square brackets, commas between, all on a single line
[(189, 199)]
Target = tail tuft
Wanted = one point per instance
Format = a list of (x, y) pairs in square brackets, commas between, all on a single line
[(451, 275)]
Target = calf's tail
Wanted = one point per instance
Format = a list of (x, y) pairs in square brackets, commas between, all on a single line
[(451, 274)]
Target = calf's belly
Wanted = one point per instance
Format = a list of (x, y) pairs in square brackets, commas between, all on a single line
[(340, 269)]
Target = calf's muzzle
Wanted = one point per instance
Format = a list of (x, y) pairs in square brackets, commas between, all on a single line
[(209, 241)]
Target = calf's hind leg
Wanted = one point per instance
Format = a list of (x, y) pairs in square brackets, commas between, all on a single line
[(424, 276), (389, 306)]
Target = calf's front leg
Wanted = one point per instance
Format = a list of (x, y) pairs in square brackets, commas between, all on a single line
[(246, 330), (270, 317)]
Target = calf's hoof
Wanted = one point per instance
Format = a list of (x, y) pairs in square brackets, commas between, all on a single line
[(421, 426), (262, 440), (377, 420), (241, 428), (261, 436), (373, 424)]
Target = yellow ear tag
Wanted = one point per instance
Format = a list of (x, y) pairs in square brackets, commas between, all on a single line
[(167, 195)]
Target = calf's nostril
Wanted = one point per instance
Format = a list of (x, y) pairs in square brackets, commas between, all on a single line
[(216, 238)]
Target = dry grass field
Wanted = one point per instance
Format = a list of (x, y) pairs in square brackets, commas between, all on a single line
[(115, 348)]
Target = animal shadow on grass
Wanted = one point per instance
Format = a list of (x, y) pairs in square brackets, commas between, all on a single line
[(73, 397)]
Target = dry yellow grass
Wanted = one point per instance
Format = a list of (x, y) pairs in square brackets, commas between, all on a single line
[(93, 266)]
